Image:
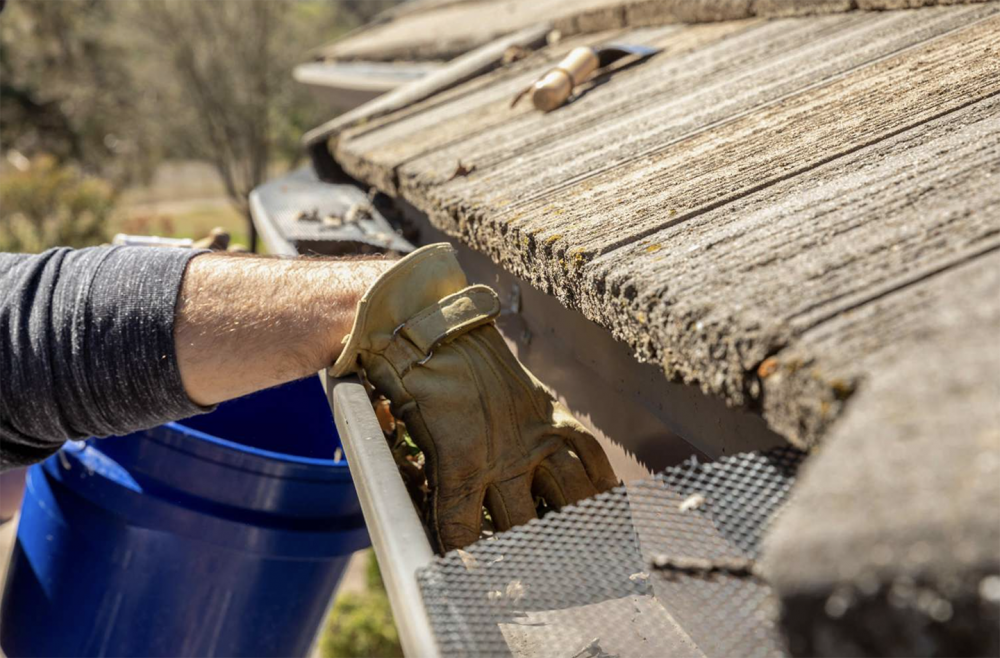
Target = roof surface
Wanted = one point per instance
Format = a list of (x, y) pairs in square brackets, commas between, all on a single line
[(443, 29), (721, 205), (802, 217)]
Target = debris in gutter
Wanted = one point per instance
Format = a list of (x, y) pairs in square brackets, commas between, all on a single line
[(408, 457), (383, 413), (487, 529), (358, 212), (308, 216)]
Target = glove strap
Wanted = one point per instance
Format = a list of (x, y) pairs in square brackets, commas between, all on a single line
[(440, 322)]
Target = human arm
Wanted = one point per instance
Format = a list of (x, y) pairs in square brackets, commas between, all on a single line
[(87, 337), (247, 323)]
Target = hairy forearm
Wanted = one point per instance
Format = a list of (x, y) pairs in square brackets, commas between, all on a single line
[(245, 323)]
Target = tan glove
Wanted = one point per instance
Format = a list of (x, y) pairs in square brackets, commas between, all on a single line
[(490, 433)]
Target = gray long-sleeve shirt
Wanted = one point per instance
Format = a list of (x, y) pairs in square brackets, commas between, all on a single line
[(86, 346)]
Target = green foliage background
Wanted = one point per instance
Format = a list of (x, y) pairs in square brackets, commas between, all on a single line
[(109, 89), (98, 82), (50, 204), (360, 625)]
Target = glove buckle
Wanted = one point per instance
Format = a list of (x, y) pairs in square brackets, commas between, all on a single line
[(417, 363), (414, 364)]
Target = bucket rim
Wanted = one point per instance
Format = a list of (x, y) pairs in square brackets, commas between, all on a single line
[(233, 448)]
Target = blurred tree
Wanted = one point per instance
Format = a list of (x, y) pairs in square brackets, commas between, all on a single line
[(47, 204), (223, 57), (235, 103), (66, 89), (116, 86)]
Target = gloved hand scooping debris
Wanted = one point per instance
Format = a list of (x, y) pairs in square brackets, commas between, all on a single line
[(490, 432)]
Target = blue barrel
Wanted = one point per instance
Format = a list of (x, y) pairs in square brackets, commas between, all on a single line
[(222, 535)]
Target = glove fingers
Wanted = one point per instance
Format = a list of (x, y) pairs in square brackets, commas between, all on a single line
[(456, 519), (562, 480), (594, 460), (510, 503)]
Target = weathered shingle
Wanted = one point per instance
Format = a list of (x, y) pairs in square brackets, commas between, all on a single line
[(802, 217), (679, 204)]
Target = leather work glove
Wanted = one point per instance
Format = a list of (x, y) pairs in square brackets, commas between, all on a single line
[(490, 433)]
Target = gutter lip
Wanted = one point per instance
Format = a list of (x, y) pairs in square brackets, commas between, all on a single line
[(396, 531), (397, 534), (269, 234)]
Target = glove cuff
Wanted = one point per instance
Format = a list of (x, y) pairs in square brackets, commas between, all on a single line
[(425, 298)]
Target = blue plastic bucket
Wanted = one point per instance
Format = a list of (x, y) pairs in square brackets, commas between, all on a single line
[(222, 535)]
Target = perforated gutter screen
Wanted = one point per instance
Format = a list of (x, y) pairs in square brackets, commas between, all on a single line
[(662, 567)]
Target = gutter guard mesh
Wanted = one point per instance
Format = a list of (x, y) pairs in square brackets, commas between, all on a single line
[(584, 582)]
